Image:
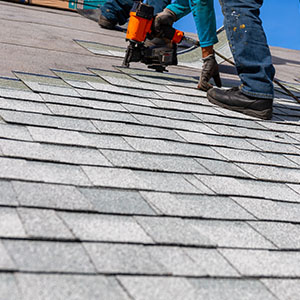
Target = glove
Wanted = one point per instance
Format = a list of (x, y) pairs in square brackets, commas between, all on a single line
[(165, 18), (209, 70)]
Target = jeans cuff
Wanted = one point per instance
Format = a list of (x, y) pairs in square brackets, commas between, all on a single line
[(257, 95)]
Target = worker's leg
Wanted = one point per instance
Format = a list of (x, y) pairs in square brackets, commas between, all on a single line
[(117, 11), (205, 20), (249, 46), (159, 5)]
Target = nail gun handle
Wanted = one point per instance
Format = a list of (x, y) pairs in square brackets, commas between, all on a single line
[(172, 34)]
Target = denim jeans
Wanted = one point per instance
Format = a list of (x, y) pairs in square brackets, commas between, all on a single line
[(249, 46), (204, 17), (117, 11)]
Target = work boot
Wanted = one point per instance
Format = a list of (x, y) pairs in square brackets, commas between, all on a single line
[(209, 70), (106, 23), (234, 99)]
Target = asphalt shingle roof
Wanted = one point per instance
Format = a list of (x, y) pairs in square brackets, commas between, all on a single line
[(128, 184)]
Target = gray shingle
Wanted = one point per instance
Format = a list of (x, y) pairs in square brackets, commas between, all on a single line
[(17, 94), (173, 124), (144, 111), (67, 137), (173, 231), (214, 140), (47, 121), (10, 223), (20, 105), (264, 262), (204, 189), (283, 289), (254, 188), (38, 171), (187, 91), (212, 262), (275, 147), (41, 223), (116, 201), (279, 160), (6, 263), (71, 287), (230, 289), (120, 98), (159, 288), (91, 113), (105, 228), (15, 132), (154, 162), (177, 262), (8, 287), (219, 167), (7, 194), (136, 130), (66, 154), (168, 147), (115, 177), (271, 210), (230, 234), (272, 173), (196, 206), (166, 182), (295, 187), (182, 98), (242, 155), (123, 259), (40, 256), (283, 235), (51, 196)]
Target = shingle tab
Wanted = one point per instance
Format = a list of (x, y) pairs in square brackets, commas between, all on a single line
[(8, 287), (212, 262), (271, 210), (283, 235), (114, 177), (7, 194), (10, 224), (107, 228), (263, 262), (15, 132), (71, 287), (159, 288), (136, 130), (117, 201), (66, 154), (196, 206), (230, 289), (40, 256), (51, 196), (41, 223), (123, 259), (38, 171), (6, 262), (231, 234), (173, 231), (283, 288), (47, 121)]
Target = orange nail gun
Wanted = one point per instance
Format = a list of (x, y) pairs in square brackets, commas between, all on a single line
[(140, 27)]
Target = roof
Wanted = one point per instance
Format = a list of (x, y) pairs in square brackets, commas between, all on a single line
[(128, 184)]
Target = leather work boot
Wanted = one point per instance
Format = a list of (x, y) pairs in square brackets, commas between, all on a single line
[(106, 23), (209, 70), (234, 99)]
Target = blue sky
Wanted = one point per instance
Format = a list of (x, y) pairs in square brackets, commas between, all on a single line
[(281, 21)]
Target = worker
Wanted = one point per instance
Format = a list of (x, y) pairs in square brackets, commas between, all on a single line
[(253, 61), (205, 20), (115, 12)]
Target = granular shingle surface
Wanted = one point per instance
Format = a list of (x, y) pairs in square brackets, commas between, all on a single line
[(127, 184)]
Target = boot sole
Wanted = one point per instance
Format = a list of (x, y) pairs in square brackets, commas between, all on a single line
[(261, 114)]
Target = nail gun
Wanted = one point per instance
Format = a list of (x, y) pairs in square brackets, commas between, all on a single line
[(140, 27)]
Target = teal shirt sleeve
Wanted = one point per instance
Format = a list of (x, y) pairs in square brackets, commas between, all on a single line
[(204, 17)]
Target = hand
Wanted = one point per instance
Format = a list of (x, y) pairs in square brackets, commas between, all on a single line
[(165, 18), (209, 70)]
